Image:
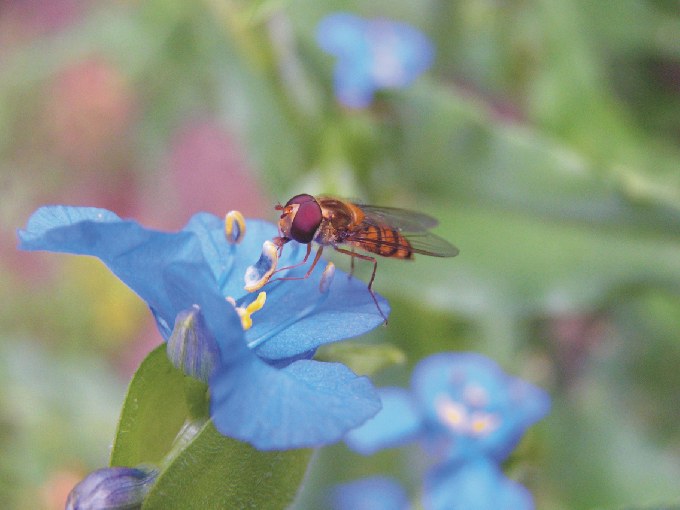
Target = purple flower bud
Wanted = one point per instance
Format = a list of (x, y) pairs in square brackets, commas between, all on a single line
[(115, 488)]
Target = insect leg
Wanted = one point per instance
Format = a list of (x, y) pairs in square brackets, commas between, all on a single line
[(370, 282), (304, 261), (351, 265), (311, 268)]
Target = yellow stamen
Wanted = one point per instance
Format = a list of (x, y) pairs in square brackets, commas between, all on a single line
[(482, 424), (452, 414), (245, 312), (253, 307), (234, 227)]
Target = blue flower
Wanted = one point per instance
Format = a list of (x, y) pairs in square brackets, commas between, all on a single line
[(476, 485), (372, 54), (468, 413), (115, 488), (265, 388), (461, 405), (375, 493)]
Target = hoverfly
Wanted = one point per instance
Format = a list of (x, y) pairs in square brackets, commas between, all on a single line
[(384, 231)]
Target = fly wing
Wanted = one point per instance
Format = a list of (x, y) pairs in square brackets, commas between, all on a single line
[(425, 243), (413, 226), (401, 219)]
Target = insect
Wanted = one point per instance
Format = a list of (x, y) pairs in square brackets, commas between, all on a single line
[(341, 224)]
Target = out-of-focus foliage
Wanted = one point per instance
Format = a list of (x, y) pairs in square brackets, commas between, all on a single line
[(545, 139)]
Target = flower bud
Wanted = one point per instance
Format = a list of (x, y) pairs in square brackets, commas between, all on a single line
[(191, 347), (115, 488)]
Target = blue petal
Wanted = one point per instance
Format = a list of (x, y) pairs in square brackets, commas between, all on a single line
[(376, 493), (478, 485), (400, 53), (307, 404), (55, 216), (167, 270), (397, 423), (353, 82), (209, 229), (137, 256), (188, 283), (526, 405), (343, 35), (298, 318)]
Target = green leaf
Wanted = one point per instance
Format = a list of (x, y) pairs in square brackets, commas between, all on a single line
[(154, 411), (363, 359), (653, 507), (602, 457), (464, 153), (214, 471)]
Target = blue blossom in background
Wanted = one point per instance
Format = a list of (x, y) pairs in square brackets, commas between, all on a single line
[(469, 415), (476, 485), (461, 406), (376, 493), (372, 54), (265, 389)]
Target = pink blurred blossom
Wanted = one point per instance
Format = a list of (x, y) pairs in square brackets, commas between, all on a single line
[(23, 20), (89, 108), (208, 171), (56, 489)]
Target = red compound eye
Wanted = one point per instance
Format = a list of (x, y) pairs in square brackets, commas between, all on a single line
[(307, 218)]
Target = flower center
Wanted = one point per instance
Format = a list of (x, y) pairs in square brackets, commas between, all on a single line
[(258, 275), (459, 419)]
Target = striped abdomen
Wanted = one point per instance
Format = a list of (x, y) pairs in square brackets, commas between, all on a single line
[(384, 241)]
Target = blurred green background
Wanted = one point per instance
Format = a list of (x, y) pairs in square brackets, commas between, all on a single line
[(545, 139)]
